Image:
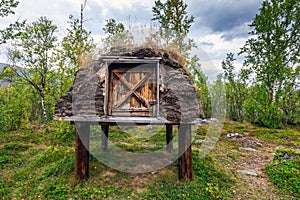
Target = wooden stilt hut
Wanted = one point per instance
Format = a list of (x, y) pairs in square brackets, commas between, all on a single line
[(141, 86)]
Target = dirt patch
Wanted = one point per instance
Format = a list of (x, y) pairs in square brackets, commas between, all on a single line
[(257, 187), (250, 142), (233, 159)]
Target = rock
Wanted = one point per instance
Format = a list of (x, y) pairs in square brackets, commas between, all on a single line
[(211, 120), (199, 121), (204, 121), (178, 103), (124, 143), (288, 156), (214, 120), (247, 172), (233, 135), (246, 134), (201, 141), (250, 142), (249, 149)]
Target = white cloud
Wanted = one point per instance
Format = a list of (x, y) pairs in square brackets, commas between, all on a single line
[(56, 10), (210, 16), (74, 3), (213, 48), (122, 5)]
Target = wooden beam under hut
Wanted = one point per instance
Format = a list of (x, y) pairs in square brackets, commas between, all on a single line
[(185, 152), (104, 137), (82, 151), (169, 138)]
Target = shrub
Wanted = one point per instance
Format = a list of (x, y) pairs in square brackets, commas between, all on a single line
[(267, 115), (284, 171)]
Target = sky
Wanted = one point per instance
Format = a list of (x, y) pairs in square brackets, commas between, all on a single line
[(220, 26)]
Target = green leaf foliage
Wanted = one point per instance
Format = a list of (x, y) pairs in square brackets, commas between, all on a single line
[(12, 109), (236, 89), (7, 6), (284, 171), (264, 92), (13, 30), (175, 23), (273, 53), (117, 35)]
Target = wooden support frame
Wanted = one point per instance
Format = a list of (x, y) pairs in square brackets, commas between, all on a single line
[(106, 90), (82, 151), (169, 138), (185, 152), (104, 137), (124, 59), (157, 88)]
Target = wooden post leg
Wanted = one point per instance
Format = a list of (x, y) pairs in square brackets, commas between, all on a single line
[(82, 151), (169, 138), (104, 137), (185, 152)]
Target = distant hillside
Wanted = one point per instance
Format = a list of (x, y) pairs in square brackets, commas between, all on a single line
[(2, 65)]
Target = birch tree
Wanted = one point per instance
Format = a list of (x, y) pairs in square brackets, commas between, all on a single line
[(272, 54), (34, 50), (174, 23), (117, 35), (7, 8), (75, 47)]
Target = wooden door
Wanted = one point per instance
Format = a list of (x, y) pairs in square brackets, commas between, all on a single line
[(133, 90)]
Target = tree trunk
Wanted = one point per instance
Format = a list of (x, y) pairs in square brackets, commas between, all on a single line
[(274, 92), (42, 95)]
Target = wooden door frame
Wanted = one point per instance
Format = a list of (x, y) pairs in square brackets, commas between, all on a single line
[(126, 60)]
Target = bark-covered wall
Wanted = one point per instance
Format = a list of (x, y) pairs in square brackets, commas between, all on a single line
[(85, 97), (178, 100)]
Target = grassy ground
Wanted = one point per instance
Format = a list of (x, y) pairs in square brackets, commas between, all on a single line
[(266, 142), (39, 164)]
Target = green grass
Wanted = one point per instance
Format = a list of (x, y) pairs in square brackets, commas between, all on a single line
[(38, 163), (289, 136), (138, 139), (209, 182), (278, 136), (284, 171)]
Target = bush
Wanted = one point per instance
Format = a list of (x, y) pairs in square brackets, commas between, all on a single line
[(266, 115), (9, 111), (284, 171)]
